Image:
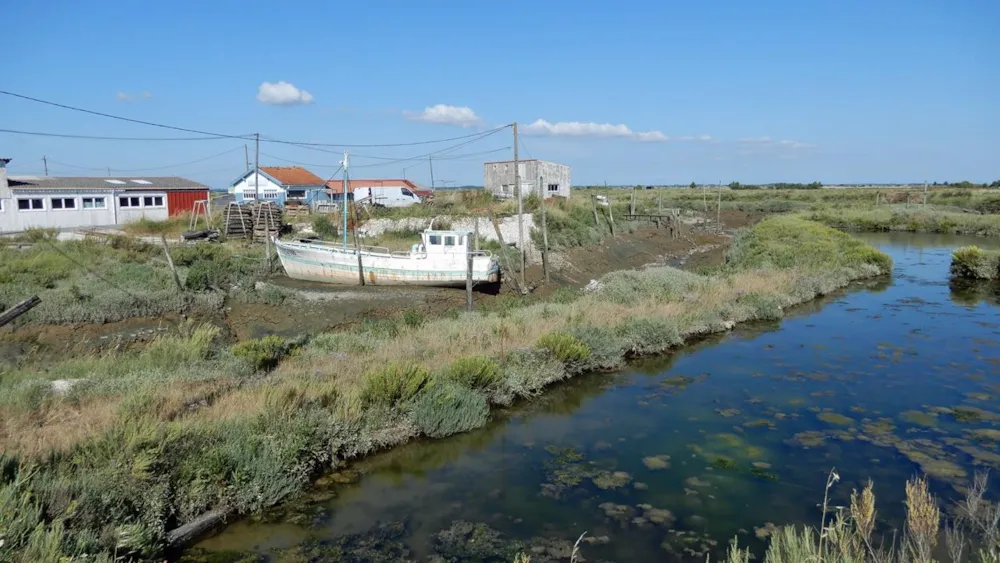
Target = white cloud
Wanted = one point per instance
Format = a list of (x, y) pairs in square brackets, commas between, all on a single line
[(282, 94), (591, 129), (755, 140), (698, 138), (767, 142), (127, 97), (460, 116), (794, 144)]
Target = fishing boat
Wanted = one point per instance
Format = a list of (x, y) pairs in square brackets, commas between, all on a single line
[(441, 258)]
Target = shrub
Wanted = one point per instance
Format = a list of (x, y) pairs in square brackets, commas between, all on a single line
[(340, 342), (476, 372), (324, 228), (564, 295), (263, 353), (564, 347), (385, 329), (393, 384), (626, 287), (413, 318), (642, 336), (975, 263), (527, 370), (606, 348), (448, 408)]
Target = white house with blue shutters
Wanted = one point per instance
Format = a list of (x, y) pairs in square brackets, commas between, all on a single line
[(279, 184)]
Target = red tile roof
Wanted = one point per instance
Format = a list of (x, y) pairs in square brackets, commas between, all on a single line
[(292, 175), (337, 186)]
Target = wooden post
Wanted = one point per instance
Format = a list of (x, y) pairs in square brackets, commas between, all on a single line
[(593, 202), (19, 309), (631, 207), (659, 201), (468, 279), (718, 211), (357, 248), (611, 215), (503, 255), (925, 193), (170, 262), (477, 234), (545, 237)]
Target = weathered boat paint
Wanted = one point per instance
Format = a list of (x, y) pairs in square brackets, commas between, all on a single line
[(431, 263)]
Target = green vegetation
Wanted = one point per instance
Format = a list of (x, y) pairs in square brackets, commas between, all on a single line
[(114, 451), (324, 228), (975, 263), (98, 281), (912, 219)]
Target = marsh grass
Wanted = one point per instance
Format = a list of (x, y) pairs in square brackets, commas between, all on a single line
[(975, 263), (152, 438), (919, 219)]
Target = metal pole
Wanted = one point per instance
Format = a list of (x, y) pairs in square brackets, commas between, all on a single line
[(430, 161), (45, 161), (256, 167), (520, 207), (343, 200)]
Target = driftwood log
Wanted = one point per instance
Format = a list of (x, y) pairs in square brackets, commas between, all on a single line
[(19, 309), (183, 536)]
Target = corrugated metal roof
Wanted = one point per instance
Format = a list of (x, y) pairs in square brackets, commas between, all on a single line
[(98, 183)]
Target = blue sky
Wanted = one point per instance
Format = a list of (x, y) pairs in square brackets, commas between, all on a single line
[(624, 92)]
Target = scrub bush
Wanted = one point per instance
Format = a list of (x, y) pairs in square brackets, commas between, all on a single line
[(393, 384), (448, 408)]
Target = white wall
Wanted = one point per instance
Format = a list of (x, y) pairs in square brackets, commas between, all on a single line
[(15, 220), (244, 189)]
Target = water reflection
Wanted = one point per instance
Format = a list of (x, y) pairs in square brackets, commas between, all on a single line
[(682, 452)]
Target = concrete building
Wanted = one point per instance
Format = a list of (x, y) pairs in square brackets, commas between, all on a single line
[(498, 178), (59, 202), (280, 184)]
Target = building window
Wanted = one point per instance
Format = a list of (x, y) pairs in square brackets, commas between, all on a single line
[(152, 201), (249, 194), (553, 188), (126, 201), (94, 203), (30, 204), (296, 194), (64, 203)]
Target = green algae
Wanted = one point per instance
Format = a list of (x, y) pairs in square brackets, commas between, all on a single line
[(920, 418), (607, 480), (656, 462), (835, 418)]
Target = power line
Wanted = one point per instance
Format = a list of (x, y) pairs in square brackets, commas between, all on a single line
[(106, 138), (120, 118), (242, 137), (151, 168)]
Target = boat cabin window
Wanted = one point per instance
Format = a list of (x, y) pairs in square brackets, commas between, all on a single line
[(449, 241), (434, 239)]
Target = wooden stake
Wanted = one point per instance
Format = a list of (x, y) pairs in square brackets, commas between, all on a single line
[(468, 278), (611, 216), (659, 201), (718, 211), (170, 262), (19, 309), (545, 237), (631, 207), (357, 248), (593, 202), (477, 234), (504, 257)]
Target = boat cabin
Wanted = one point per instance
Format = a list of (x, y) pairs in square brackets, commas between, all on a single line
[(442, 242)]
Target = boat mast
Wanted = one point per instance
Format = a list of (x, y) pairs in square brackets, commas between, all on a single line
[(344, 203)]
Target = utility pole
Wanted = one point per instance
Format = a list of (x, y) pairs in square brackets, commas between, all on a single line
[(246, 156), (430, 161), (45, 161), (109, 171), (256, 167), (344, 199), (520, 207)]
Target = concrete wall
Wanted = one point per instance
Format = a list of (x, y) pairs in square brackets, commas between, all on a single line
[(498, 177), (49, 216)]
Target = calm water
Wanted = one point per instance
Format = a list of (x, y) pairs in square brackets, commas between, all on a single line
[(728, 435)]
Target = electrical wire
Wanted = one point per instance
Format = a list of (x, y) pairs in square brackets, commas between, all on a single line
[(106, 138), (147, 169), (241, 137)]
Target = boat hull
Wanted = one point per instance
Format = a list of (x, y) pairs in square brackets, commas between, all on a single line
[(328, 264)]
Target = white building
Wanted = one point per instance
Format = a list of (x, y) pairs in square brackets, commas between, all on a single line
[(58, 202), (498, 178)]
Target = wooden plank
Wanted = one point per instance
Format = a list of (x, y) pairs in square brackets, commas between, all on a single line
[(19, 309)]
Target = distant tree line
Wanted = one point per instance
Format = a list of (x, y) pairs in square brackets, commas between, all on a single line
[(967, 184), (777, 186)]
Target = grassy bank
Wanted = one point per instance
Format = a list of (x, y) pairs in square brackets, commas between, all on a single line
[(109, 453), (912, 219), (972, 262), (97, 281)]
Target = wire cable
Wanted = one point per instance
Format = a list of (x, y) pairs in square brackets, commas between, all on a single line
[(107, 138), (147, 169), (242, 137)]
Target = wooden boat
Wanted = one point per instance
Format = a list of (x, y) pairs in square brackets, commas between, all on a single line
[(440, 259)]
